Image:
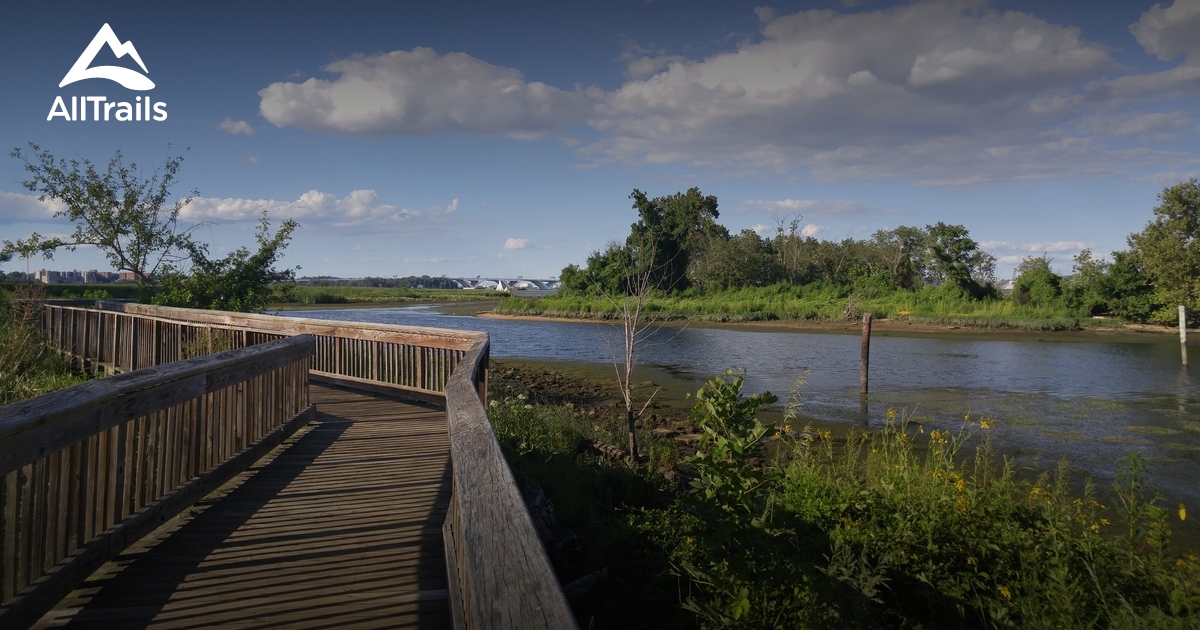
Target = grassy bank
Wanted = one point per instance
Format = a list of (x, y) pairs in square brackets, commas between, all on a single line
[(315, 295), (898, 527), (819, 303)]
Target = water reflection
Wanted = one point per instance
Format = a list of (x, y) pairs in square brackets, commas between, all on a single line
[(1088, 401)]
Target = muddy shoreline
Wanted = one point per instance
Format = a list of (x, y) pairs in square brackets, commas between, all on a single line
[(1147, 333)]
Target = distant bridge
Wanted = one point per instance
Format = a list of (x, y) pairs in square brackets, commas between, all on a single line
[(494, 283)]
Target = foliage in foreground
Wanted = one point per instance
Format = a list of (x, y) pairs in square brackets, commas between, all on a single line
[(28, 368), (892, 528)]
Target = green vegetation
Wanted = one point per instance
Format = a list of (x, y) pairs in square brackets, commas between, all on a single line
[(28, 367), (780, 527), (307, 294), (935, 274), (817, 301), (129, 219)]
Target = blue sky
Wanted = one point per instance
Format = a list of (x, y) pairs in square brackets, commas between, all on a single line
[(469, 139)]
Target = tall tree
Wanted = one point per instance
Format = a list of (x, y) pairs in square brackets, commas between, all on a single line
[(128, 217), (672, 228), (1169, 249)]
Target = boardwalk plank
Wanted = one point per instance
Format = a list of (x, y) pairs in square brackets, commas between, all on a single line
[(340, 527)]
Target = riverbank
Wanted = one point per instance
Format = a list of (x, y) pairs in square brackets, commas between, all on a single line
[(1110, 330), (902, 525)]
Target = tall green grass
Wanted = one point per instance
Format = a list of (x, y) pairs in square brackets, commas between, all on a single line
[(384, 295), (27, 367), (818, 302)]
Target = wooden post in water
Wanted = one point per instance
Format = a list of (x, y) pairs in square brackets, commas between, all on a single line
[(1183, 334), (866, 354)]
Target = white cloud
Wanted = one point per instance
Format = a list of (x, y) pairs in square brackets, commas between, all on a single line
[(19, 208), (358, 211), (940, 91), (253, 159), (762, 229), (421, 92), (236, 127), (1135, 124), (515, 243), (814, 207), (424, 260), (1169, 32), (1050, 247), (812, 229)]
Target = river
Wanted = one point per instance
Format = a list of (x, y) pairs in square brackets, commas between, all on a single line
[(1089, 402)]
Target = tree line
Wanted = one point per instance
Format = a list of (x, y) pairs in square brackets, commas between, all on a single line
[(678, 241)]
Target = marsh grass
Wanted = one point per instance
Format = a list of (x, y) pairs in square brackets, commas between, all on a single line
[(820, 302), (907, 526), (384, 295), (27, 367)]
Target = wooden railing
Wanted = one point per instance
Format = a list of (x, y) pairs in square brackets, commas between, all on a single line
[(499, 574), (117, 337), (90, 469)]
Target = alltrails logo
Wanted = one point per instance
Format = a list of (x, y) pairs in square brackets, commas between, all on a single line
[(142, 108)]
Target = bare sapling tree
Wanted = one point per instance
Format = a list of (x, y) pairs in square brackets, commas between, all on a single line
[(637, 324)]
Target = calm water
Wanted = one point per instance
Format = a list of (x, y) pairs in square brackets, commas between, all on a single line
[(1088, 401)]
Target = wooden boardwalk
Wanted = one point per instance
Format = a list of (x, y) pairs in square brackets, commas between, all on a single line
[(339, 527)]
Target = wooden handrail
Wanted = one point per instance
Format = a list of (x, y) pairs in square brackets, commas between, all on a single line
[(500, 576), (405, 360), (498, 571), (90, 469)]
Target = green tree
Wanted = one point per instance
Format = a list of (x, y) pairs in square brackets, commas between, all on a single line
[(1168, 250), (1034, 282), (1131, 294), (243, 281), (956, 258), (1090, 288), (126, 216), (904, 251), (672, 228)]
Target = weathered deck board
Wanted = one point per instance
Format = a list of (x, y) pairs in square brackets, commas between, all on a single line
[(340, 527)]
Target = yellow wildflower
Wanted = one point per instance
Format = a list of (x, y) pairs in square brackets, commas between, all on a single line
[(1004, 592), (1182, 512), (891, 414), (1095, 527), (986, 423), (960, 485)]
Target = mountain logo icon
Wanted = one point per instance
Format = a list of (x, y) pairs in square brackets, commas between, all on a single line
[(130, 79)]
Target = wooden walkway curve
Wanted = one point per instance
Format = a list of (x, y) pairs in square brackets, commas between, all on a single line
[(339, 527)]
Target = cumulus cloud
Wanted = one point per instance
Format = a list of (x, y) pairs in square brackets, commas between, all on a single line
[(812, 229), (236, 126), (19, 208), (1009, 253), (421, 92), (515, 243), (901, 92), (1136, 124), (944, 93), (1168, 33), (814, 207), (358, 211)]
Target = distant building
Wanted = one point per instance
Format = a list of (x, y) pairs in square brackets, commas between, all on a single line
[(91, 276)]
